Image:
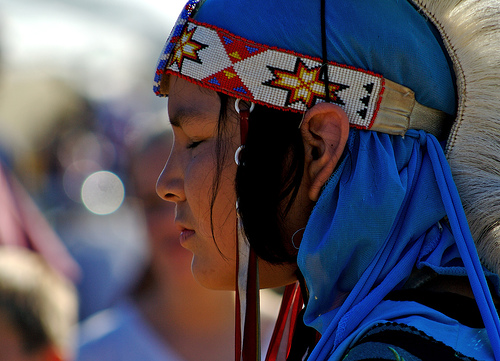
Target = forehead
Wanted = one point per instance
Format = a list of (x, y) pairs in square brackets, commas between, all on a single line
[(188, 101)]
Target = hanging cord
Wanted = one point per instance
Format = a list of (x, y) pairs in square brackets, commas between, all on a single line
[(324, 66), (465, 244), (281, 340), (304, 338), (237, 316), (247, 318)]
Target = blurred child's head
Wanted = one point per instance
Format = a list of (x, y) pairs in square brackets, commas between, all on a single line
[(38, 308)]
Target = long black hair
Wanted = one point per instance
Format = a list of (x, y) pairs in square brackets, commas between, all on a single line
[(268, 179)]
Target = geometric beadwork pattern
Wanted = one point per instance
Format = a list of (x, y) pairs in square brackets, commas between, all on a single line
[(172, 40), (217, 59)]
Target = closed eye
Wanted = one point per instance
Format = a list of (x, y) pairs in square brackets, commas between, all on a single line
[(193, 145)]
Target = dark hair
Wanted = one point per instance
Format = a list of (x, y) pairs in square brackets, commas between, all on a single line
[(268, 179), (23, 312)]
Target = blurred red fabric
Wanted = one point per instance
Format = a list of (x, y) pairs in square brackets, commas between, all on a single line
[(22, 224)]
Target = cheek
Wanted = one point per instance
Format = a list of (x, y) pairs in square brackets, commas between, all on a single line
[(199, 188), (214, 261), (224, 211), (198, 183)]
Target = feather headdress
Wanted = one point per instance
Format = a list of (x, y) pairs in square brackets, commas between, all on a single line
[(471, 33)]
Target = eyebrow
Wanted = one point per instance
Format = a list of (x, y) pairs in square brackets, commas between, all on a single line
[(184, 116)]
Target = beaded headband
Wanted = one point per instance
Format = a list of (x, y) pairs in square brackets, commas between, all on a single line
[(217, 59)]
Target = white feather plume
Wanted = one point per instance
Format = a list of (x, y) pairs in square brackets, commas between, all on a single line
[(471, 33)]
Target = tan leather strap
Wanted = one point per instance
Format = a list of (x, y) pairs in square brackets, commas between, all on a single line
[(399, 111)]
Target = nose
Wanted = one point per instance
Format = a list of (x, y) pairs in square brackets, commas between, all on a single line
[(170, 184)]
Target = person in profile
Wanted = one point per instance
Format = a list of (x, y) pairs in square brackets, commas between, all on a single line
[(348, 151), (38, 308)]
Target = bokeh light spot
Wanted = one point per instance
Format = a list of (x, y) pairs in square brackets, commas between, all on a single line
[(103, 192)]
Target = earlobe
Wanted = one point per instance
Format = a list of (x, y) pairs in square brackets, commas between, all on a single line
[(325, 130)]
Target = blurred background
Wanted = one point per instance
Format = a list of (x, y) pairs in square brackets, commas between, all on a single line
[(75, 97), (77, 113)]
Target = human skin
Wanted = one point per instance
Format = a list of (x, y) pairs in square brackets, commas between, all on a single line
[(187, 180)]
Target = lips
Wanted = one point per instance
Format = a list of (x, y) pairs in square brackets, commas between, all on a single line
[(182, 226), (185, 234)]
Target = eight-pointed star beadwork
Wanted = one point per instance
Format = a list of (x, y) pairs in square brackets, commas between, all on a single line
[(304, 84), (187, 48)]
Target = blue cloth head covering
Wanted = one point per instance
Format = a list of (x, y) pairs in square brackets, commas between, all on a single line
[(388, 37), (379, 202), (376, 220)]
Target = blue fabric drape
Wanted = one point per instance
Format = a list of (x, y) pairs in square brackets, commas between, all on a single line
[(378, 217)]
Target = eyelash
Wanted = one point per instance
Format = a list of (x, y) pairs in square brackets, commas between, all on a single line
[(193, 145)]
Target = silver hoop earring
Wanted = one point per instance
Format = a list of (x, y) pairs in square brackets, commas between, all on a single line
[(237, 106), (237, 154), (293, 236), (302, 120)]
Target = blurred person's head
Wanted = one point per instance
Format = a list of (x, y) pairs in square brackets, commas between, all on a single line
[(168, 258), (195, 322), (38, 308)]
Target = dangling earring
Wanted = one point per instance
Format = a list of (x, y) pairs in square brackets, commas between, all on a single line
[(244, 113), (293, 236)]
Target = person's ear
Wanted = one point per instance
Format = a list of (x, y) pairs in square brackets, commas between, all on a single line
[(325, 130)]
